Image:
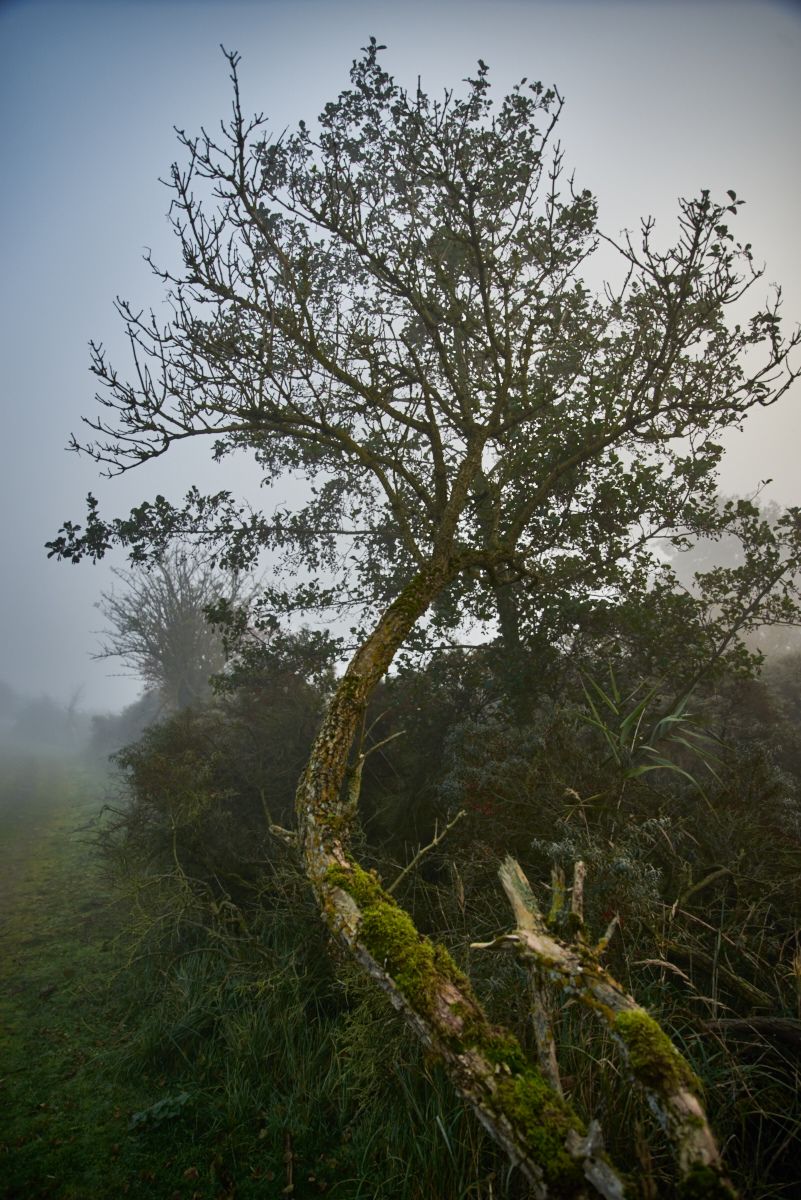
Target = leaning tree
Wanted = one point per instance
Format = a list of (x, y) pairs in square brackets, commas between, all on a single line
[(394, 307)]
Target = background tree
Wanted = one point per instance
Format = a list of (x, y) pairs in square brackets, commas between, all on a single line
[(159, 626), (395, 307)]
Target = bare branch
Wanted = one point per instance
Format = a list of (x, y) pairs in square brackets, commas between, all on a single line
[(421, 853)]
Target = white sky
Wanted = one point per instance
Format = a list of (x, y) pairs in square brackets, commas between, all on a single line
[(663, 99)]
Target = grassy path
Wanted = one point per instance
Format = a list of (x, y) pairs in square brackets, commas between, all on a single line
[(40, 802), (54, 922), (63, 1115)]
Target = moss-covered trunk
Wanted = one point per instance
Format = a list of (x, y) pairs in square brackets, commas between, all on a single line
[(486, 1064), (518, 1104), (323, 818)]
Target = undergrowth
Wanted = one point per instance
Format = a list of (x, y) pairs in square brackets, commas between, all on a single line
[(242, 1053), (705, 887), (207, 1074)]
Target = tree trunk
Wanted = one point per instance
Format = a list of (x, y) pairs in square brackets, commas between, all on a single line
[(323, 820), (515, 1102), (508, 615)]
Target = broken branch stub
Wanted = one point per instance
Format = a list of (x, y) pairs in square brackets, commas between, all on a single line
[(670, 1086)]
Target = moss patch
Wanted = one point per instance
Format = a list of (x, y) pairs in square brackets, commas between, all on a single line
[(544, 1120), (417, 967), (358, 883), (574, 927), (498, 1046), (655, 1062), (704, 1183), (412, 600), (392, 939)]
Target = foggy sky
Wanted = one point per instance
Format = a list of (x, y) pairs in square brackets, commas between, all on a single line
[(663, 99)]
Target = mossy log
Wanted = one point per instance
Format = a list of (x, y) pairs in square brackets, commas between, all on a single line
[(511, 1097)]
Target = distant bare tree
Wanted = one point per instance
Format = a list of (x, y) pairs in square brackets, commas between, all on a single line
[(158, 625)]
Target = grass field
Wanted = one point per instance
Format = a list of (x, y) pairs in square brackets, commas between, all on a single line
[(223, 1075), (64, 1016)]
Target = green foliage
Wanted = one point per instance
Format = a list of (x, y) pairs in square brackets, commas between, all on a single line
[(204, 786), (64, 1013), (627, 744), (113, 731), (431, 360)]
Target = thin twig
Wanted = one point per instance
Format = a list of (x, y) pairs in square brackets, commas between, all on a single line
[(699, 887), (577, 899), (425, 850), (353, 773), (378, 745), (287, 836)]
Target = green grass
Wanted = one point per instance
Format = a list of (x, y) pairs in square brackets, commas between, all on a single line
[(69, 1024), (278, 1048), (246, 1065), (63, 1012)]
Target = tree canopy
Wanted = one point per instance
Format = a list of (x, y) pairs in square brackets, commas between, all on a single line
[(394, 307), (158, 626)]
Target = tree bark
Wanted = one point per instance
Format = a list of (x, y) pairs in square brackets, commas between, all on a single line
[(323, 818)]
